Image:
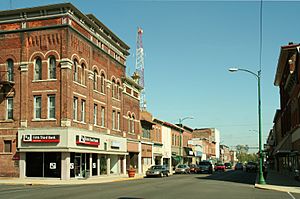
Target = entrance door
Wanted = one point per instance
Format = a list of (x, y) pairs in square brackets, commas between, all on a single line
[(77, 166)]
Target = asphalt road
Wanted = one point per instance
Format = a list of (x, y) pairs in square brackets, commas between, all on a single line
[(231, 185)]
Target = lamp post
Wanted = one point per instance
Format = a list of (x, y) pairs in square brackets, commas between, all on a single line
[(180, 137), (258, 75)]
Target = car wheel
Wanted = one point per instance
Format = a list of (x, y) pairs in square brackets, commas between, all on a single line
[(161, 175), (167, 174)]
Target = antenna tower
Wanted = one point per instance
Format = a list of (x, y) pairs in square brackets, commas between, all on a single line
[(139, 66)]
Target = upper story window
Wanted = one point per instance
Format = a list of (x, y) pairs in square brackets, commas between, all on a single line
[(83, 74), (118, 90), (95, 79), (114, 119), (102, 116), (38, 69), (10, 70), (75, 106), (118, 120), (7, 146), (52, 68), (75, 70), (113, 88), (132, 125), (83, 110), (10, 108), (102, 81), (37, 107), (51, 106), (95, 113)]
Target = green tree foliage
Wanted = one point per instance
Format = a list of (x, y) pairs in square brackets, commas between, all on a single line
[(247, 157)]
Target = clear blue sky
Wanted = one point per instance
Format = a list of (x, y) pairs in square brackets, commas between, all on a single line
[(189, 46)]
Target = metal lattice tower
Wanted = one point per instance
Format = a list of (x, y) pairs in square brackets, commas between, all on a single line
[(139, 66)]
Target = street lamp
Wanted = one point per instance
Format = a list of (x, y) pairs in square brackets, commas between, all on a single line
[(180, 147), (258, 75)]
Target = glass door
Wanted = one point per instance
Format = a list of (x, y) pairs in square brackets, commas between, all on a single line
[(77, 166)]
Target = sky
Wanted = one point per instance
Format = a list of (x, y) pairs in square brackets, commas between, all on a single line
[(189, 46)]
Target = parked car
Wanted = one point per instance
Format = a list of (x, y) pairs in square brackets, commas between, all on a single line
[(220, 167), (228, 165), (251, 166), (205, 167), (157, 170), (239, 166), (194, 168), (182, 168)]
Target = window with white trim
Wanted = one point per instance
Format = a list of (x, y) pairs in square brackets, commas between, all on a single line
[(38, 69), (37, 107), (10, 108), (83, 110), (102, 116), (10, 70), (132, 125), (51, 106), (75, 108), (75, 70), (118, 120), (102, 89), (95, 113), (113, 119), (95, 80), (52, 68)]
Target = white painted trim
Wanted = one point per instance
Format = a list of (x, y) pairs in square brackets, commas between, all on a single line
[(117, 108), (99, 102), (44, 91), (44, 80), (78, 94)]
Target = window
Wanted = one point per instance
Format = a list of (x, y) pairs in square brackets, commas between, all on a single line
[(52, 68), (83, 74), (129, 122), (102, 116), (95, 79), (75, 105), (10, 70), (37, 107), (10, 108), (132, 125), (7, 146), (75, 70), (114, 119), (83, 110), (118, 120), (118, 90), (113, 88), (95, 113), (38, 69), (51, 106), (102, 83)]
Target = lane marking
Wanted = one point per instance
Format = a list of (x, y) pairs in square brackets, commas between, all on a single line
[(291, 195)]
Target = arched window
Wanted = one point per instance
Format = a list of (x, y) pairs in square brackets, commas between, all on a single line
[(75, 69), (102, 80), (83, 74), (129, 123), (95, 79), (113, 88), (132, 124), (38, 69), (118, 87), (10, 70), (52, 68)]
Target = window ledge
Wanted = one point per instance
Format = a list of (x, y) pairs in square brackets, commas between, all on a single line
[(44, 80), (79, 122), (79, 84), (43, 120), (116, 99), (7, 121), (131, 133), (6, 153)]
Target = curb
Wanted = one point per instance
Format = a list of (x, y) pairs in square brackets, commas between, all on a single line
[(277, 188), (71, 182)]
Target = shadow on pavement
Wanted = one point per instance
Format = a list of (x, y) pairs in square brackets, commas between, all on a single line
[(232, 176), (275, 178)]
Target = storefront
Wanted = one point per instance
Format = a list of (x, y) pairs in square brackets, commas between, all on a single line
[(70, 153), (188, 155), (133, 159), (146, 156), (157, 154)]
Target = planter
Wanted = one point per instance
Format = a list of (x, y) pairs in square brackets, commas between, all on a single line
[(131, 173)]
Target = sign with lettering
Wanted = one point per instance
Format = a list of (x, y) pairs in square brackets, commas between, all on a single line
[(85, 140), (71, 165), (41, 138)]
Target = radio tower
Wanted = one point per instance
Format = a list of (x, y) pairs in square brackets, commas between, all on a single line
[(139, 66)]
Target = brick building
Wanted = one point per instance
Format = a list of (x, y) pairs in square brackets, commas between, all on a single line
[(286, 132), (67, 108)]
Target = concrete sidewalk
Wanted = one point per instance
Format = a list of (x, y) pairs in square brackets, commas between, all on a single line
[(49, 181), (279, 182)]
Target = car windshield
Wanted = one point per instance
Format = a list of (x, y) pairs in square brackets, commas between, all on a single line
[(156, 167), (181, 166), (204, 163), (227, 164), (220, 164)]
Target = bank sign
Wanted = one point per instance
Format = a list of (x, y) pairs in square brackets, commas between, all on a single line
[(85, 140), (41, 138)]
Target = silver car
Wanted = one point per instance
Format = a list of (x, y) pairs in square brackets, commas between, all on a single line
[(182, 168), (157, 170)]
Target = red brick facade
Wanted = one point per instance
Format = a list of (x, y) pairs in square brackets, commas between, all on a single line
[(70, 39)]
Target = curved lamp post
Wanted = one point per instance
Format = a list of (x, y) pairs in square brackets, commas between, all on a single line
[(180, 148), (258, 75)]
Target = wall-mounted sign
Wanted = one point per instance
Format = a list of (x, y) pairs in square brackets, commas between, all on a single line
[(41, 138), (71, 165), (115, 145), (52, 165), (85, 140)]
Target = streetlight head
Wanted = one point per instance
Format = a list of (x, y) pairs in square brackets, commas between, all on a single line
[(233, 69)]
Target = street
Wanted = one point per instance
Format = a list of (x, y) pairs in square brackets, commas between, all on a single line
[(230, 184)]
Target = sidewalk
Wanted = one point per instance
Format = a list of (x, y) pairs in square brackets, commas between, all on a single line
[(49, 181), (279, 182)]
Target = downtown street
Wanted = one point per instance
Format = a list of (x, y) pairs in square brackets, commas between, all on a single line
[(229, 184)]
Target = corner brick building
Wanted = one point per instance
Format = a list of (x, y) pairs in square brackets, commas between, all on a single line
[(67, 109)]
